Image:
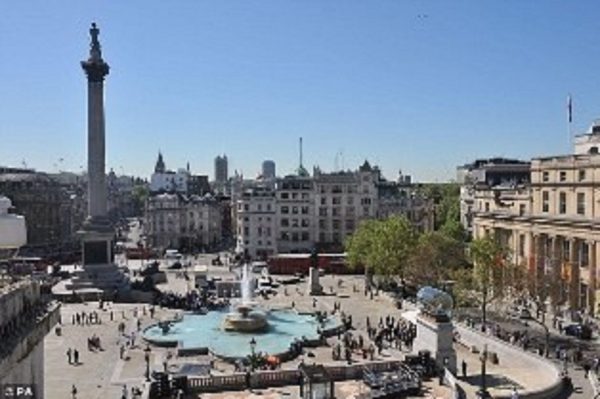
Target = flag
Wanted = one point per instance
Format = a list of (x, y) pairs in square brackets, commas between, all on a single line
[(570, 108)]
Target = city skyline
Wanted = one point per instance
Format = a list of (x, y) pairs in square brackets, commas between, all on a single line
[(453, 82)]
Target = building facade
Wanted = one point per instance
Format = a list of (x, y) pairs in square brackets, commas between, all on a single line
[(257, 223), (268, 170), (221, 172), (483, 174), (188, 223), (46, 207), (303, 212), (551, 227)]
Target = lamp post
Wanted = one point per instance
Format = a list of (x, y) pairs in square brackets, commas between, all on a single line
[(147, 352), (483, 393), (252, 353)]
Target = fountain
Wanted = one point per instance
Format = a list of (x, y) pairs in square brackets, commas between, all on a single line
[(226, 334), (245, 317)]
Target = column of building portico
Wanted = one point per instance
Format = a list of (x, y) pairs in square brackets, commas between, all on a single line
[(574, 273), (531, 262), (556, 263), (540, 258), (591, 305)]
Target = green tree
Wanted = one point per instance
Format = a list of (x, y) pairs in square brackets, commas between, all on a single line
[(139, 195), (383, 247), (489, 259), (436, 258)]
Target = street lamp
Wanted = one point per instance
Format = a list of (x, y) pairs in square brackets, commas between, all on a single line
[(147, 359), (252, 353), (483, 393)]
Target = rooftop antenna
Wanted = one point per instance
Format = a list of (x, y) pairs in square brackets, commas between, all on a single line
[(300, 151)]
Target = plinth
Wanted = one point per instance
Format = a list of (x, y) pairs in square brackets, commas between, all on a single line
[(436, 335)]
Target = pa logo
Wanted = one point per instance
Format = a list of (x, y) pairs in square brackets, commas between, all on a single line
[(18, 391)]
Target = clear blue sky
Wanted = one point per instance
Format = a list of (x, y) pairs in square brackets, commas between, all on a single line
[(417, 85)]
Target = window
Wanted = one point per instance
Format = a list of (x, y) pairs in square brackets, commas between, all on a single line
[(335, 212), (487, 206), (350, 210), (321, 237), (246, 207), (259, 207), (350, 200), (322, 211), (285, 236), (566, 249), (562, 176), (294, 222), (285, 210), (335, 237), (336, 224), (285, 222), (581, 175), (545, 176), (305, 196), (581, 203), (584, 254), (323, 201), (336, 200), (349, 224), (305, 236), (285, 195), (304, 210), (322, 223), (305, 223), (246, 231), (521, 209), (295, 210), (294, 195), (322, 189), (268, 207), (336, 189), (295, 236), (562, 203), (545, 201)]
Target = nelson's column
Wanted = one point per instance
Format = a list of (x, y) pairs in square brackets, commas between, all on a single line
[(100, 276)]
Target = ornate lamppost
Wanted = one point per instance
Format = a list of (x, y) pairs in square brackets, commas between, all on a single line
[(483, 393), (252, 353), (147, 352)]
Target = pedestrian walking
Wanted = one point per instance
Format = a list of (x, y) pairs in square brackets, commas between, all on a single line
[(76, 357), (73, 392), (69, 354), (464, 368)]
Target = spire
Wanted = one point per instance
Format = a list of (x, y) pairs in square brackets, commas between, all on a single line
[(301, 169), (160, 164)]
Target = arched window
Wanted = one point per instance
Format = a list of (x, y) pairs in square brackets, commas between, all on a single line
[(593, 150)]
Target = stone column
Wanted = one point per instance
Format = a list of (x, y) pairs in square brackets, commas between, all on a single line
[(555, 282), (96, 149), (574, 273), (591, 305)]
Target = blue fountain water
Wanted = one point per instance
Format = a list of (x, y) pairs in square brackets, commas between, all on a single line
[(205, 331)]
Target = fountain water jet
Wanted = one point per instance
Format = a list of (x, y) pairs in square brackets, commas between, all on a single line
[(245, 318)]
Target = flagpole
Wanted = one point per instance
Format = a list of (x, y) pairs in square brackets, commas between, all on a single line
[(570, 121)]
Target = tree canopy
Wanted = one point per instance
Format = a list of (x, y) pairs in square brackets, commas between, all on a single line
[(383, 247)]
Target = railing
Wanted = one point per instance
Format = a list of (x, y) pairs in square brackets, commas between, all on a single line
[(265, 379)]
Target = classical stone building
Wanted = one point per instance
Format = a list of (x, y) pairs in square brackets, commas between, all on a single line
[(257, 223), (25, 319), (302, 212), (496, 174), (189, 223), (46, 207), (552, 225)]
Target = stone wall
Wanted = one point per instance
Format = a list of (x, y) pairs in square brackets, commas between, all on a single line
[(547, 371)]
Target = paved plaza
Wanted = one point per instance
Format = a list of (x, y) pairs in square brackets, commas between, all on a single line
[(103, 374)]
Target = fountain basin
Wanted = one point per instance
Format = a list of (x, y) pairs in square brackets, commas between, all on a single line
[(206, 331)]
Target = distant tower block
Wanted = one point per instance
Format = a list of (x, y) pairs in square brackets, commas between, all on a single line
[(268, 169), (221, 174)]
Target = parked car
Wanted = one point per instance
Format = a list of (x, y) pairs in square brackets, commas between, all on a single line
[(579, 330)]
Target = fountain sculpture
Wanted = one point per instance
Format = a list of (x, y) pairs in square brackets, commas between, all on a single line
[(245, 316)]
